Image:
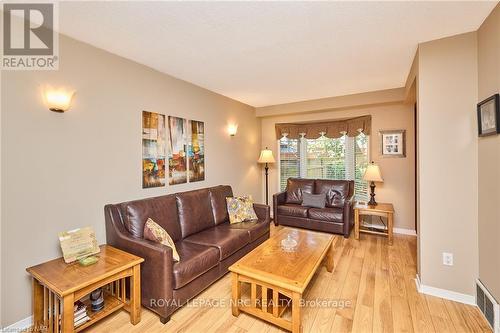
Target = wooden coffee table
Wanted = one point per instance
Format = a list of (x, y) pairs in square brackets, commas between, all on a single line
[(57, 285), (277, 278)]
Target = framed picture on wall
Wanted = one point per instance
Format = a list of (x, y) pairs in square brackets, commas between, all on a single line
[(488, 116), (393, 143)]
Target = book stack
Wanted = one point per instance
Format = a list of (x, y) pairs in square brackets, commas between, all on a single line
[(81, 316)]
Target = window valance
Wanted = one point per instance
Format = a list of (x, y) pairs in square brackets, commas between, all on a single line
[(330, 129)]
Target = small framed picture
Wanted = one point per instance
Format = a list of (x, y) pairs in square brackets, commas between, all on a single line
[(488, 115), (393, 143)]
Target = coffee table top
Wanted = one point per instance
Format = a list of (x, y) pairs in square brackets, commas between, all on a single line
[(65, 278), (289, 270)]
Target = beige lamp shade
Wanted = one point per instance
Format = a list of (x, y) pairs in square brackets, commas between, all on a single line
[(266, 156), (372, 173)]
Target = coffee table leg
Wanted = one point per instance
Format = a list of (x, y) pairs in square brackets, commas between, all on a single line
[(135, 295), (329, 259), (235, 294), (296, 314)]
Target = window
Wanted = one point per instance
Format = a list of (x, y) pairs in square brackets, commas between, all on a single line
[(289, 160), (342, 158)]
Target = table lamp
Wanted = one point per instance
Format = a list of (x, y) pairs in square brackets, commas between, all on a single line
[(372, 174), (266, 156)]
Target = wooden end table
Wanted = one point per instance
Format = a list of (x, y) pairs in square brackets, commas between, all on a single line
[(383, 210), (56, 286), (277, 278)]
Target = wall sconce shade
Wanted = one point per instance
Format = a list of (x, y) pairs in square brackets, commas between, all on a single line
[(266, 156), (232, 129), (58, 100)]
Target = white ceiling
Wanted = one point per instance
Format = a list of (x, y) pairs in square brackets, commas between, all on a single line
[(265, 53)]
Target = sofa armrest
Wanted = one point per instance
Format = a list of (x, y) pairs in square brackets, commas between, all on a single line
[(263, 212), (278, 199), (157, 268)]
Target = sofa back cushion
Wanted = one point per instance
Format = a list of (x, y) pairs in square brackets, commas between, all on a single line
[(218, 195), (336, 191), (163, 210), (295, 187), (195, 211)]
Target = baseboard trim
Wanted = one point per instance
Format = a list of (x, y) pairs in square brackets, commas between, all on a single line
[(444, 293), (19, 326), (403, 231)]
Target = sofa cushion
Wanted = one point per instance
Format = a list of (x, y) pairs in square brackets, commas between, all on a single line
[(240, 209), (326, 214), (163, 210), (314, 200), (336, 191), (218, 195), (292, 210), (295, 187), (154, 232), (224, 238), (195, 260), (255, 228), (195, 211)]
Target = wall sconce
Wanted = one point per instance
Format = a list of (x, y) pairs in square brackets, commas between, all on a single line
[(58, 100), (232, 129)]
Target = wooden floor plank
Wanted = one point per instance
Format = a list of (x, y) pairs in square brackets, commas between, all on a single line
[(382, 308), (377, 280), (440, 317)]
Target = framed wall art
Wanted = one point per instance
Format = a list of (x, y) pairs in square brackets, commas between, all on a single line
[(393, 143), (153, 149), (177, 146), (488, 116), (196, 151)]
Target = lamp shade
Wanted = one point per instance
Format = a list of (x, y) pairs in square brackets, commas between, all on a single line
[(266, 156), (372, 173)]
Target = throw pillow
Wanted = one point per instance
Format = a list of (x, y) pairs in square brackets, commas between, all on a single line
[(240, 209), (154, 232), (314, 200)]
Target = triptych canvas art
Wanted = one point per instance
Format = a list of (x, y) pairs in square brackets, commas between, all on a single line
[(172, 142)]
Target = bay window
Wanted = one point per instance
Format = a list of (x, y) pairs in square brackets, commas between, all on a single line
[(326, 158)]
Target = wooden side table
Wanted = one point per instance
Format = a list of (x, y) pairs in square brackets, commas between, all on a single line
[(383, 210), (56, 286)]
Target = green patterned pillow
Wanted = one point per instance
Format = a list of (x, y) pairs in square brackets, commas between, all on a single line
[(240, 209)]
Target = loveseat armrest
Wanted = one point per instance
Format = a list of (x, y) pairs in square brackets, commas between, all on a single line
[(157, 268), (263, 212), (348, 215), (278, 199)]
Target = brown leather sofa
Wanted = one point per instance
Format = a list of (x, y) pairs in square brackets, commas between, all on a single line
[(207, 244), (336, 217)]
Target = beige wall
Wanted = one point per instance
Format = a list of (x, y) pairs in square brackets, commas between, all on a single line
[(447, 95), (488, 39), (59, 170), (398, 173)]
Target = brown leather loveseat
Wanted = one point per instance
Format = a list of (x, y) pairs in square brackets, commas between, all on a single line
[(207, 244), (336, 217)]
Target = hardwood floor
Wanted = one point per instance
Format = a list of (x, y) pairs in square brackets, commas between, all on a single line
[(377, 280)]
